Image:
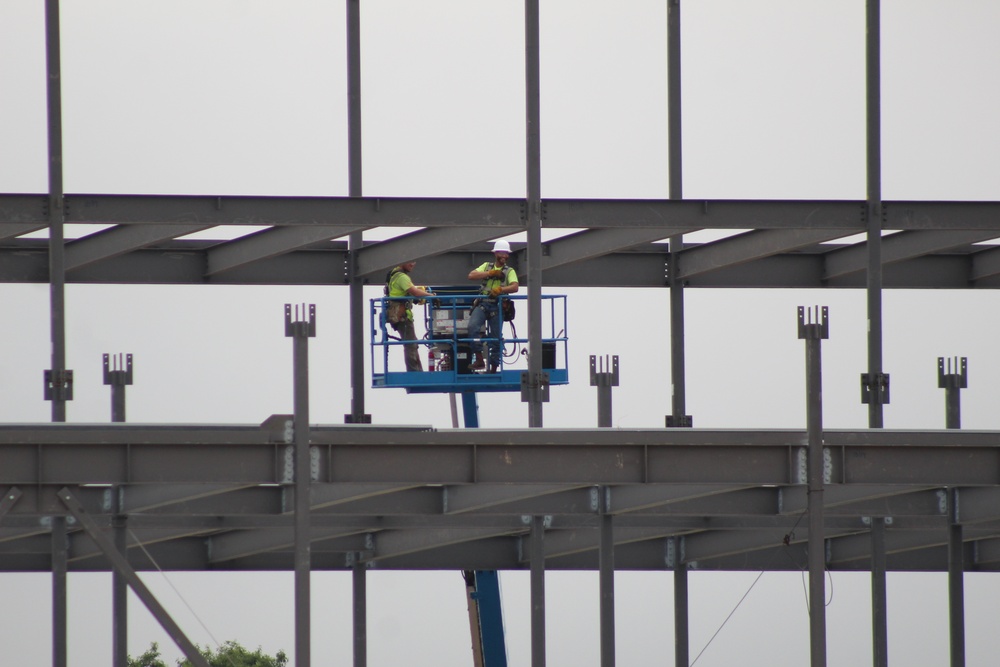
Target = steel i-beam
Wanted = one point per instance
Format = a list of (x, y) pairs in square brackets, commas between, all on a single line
[(359, 578), (606, 559), (534, 383), (813, 328), (300, 330), (956, 582), (537, 557), (880, 635)]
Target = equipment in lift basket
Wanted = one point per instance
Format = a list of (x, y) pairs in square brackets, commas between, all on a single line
[(450, 320)]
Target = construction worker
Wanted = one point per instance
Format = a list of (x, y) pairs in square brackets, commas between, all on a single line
[(399, 314), (497, 278)]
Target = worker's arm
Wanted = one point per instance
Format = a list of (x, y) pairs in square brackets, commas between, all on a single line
[(476, 274), (416, 290)]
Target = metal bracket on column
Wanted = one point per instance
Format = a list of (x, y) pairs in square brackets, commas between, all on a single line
[(607, 375), (814, 323), (604, 378), (9, 500), (876, 391), (539, 385), (684, 421), (118, 374), (121, 374), (59, 385), (956, 376), (300, 326), (362, 419), (120, 564)]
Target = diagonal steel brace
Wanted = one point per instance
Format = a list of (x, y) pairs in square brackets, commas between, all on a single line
[(121, 566)]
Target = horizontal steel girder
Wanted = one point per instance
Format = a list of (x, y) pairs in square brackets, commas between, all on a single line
[(417, 498), (116, 454), (497, 213)]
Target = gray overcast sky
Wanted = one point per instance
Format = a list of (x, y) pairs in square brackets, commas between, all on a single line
[(249, 97)]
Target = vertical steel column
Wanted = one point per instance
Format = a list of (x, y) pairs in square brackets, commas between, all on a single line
[(956, 582), (678, 394), (300, 331), (537, 559), (355, 240), (604, 378), (119, 587), (607, 580), (813, 329), (674, 98), (536, 380), (359, 577), (118, 377), (682, 650), (952, 382), (876, 381), (60, 562), (880, 635), (354, 173), (58, 380)]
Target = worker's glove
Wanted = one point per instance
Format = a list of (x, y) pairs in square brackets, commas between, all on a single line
[(496, 291), (494, 273)]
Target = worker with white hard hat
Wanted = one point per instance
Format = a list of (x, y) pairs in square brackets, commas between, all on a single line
[(498, 279)]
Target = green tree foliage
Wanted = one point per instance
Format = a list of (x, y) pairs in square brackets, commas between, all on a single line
[(151, 658), (230, 654)]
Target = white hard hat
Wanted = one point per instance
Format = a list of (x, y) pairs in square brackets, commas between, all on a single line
[(501, 246)]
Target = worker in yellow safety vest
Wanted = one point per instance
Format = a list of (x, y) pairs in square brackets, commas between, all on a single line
[(497, 279), (399, 314)]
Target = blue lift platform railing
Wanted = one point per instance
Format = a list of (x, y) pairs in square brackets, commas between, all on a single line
[(450, 348)]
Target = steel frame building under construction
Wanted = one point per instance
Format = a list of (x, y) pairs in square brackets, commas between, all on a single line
[(306, 497)]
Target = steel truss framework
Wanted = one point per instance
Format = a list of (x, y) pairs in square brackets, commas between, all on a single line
[(224, 498), (792, 243)]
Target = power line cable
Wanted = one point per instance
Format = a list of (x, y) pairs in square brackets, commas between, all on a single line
[(178, 593), (727, 618)]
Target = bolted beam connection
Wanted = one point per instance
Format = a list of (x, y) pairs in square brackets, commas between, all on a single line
[(59, 385), (875, 390)]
